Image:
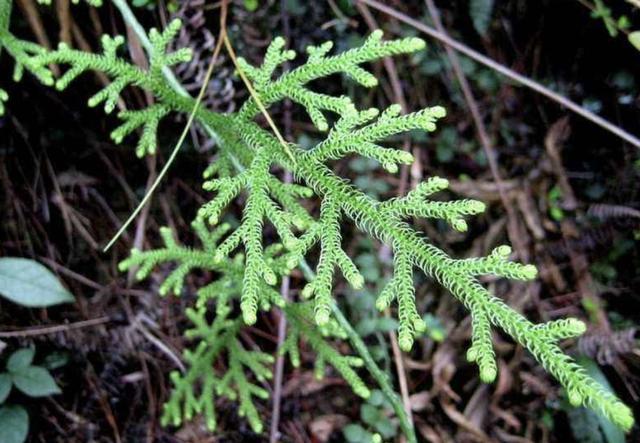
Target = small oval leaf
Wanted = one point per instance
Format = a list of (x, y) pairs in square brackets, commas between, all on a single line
[(35, 381), (28, 283), (20, 359), (14, 424), (354, 433)]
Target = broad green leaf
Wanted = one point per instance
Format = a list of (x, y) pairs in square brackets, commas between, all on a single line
[(354, 433), (5, 386), (28, 283), (634, 39), (35, 381), (20, 359), (480, 12), (385, 427), (14, 424), (369, 414)]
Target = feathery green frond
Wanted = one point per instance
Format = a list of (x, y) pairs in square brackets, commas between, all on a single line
[(300, 317), (331, 256), (21, 51), (360, 132), (278, 233), (461, 279), (351, 134), (401, 288), (284, 213), (195, 391), (228, 284), (186, 258), (292, 84), (416, 205), (123, 74), (149, 119), (543, 343)]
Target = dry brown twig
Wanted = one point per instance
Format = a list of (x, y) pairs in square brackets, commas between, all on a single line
[(32, 332), (63, 10)]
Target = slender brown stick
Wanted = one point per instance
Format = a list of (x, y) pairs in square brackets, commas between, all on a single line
[(274, 433), (401, 371), (525, 81), (30, 332)]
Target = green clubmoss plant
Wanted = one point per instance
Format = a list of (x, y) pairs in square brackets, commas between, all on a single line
[(277, 232)]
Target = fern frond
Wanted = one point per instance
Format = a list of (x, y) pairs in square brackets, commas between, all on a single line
[(220, 336), (292, 84), (21, 51), (331, 256), (414, 204), (260, 206), (543, 343), (401, 288), (350, 136), (300, 316), (123, 74), (228, 284), (217, 337), (252, 275), (497, 264), (186, 258), (149, 119), (458, 276)]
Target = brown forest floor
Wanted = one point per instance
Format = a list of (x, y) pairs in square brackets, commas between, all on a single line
[(570, 206)]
